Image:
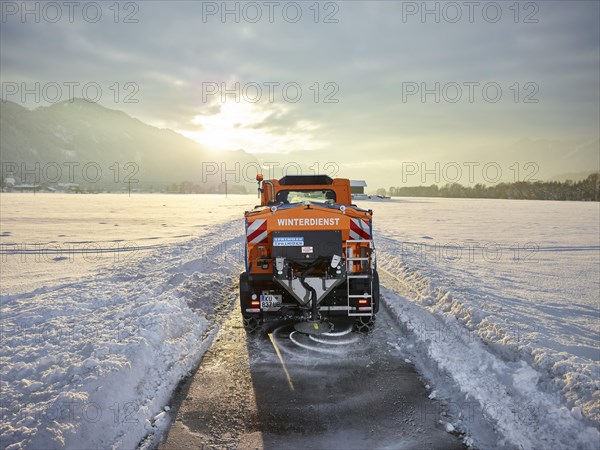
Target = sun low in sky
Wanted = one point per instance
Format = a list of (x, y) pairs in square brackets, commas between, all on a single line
[(241, 126)]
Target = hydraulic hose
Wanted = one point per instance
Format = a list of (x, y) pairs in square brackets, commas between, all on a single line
[(313, 293)]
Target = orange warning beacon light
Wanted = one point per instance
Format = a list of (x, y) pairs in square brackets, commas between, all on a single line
[(259, 178)]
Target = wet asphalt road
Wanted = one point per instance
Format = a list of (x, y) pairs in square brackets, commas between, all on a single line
[(348, 392)]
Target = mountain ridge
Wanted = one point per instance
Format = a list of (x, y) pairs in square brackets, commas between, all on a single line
[(82, 132)]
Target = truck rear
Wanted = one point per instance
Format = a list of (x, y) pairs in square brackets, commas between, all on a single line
[(309, 256)]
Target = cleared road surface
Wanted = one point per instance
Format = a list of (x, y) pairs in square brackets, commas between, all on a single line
[(284, 390)]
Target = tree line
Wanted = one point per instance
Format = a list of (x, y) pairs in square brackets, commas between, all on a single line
[(188, 187), (584, 190)]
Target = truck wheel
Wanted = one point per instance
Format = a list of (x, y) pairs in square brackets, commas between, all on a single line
[(251, 324), (375, 292), (364, 324), (245, 291)]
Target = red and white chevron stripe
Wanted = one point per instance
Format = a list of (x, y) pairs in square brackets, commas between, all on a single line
[(359, 230), (257, 231)]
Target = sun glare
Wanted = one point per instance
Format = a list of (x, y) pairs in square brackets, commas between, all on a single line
[(235, 127)]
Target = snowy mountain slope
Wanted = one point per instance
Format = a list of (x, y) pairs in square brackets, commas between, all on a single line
[(79, 132)]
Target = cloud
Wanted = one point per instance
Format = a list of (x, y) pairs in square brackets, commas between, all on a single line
[(370, 57)]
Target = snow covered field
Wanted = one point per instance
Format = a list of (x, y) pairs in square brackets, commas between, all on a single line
[(50, 237), (498, 302), (90, 362)]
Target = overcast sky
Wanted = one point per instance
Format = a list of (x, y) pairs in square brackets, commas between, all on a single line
[(361, 68)]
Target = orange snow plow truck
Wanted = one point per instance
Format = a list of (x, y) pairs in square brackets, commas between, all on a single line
[(309, 256)]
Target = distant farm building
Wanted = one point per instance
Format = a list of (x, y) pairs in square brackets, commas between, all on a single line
[(358, 186), (26, 187), (357, 189), (69, 187)]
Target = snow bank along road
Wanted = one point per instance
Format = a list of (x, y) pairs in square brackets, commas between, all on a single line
[(94, 363)]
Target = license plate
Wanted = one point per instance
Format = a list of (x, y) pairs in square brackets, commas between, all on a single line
[(270, 301)]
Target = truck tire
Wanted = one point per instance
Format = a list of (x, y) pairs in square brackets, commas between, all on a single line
[(364, 324), (376, 295), (245, 291), (251, 322)]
